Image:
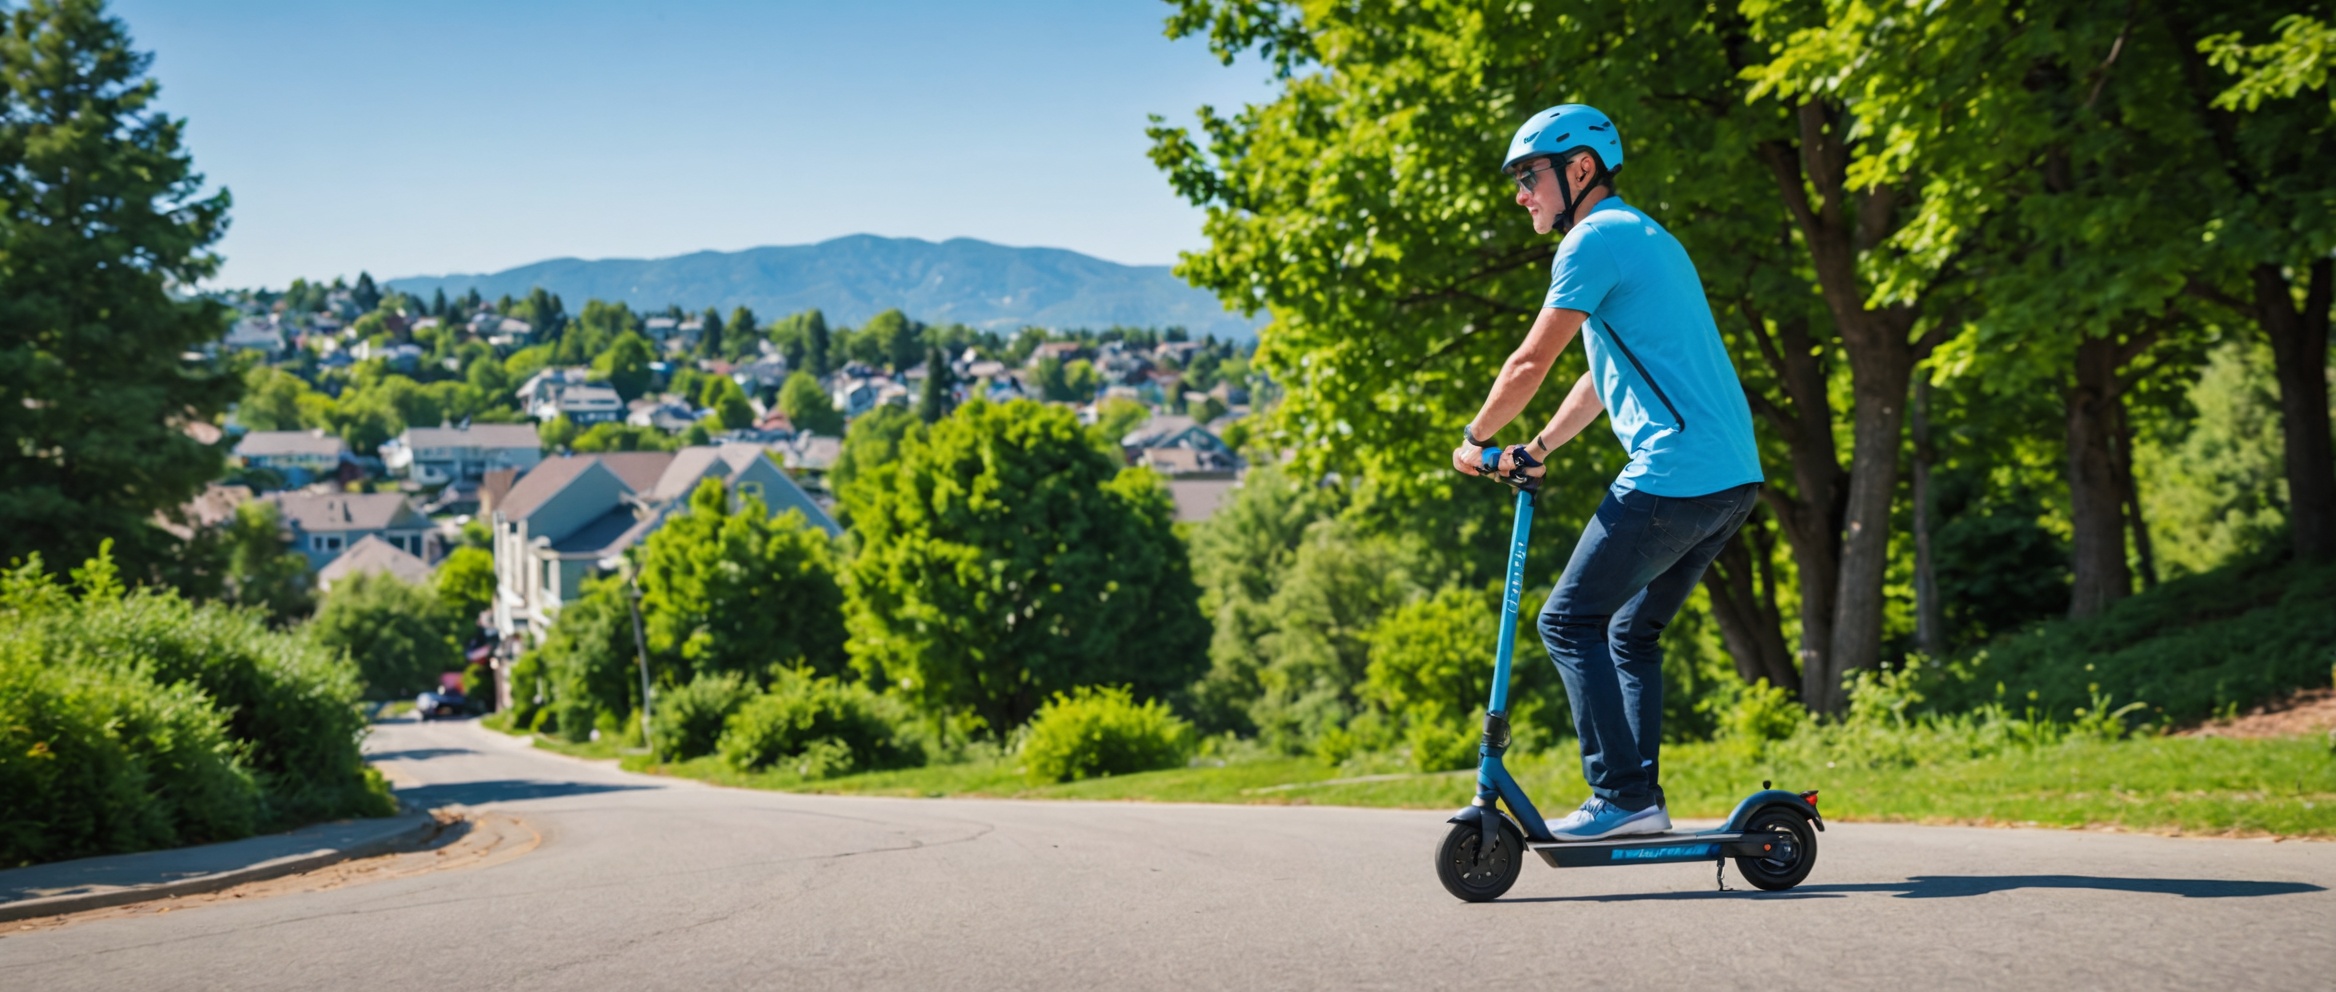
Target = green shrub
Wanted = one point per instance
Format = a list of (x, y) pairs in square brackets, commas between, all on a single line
[(478, 686), (398, 634), (816, 727), (1762, 712), (1096, 731), (2189, 648), (687, 720), (100, 761), (222, 725)]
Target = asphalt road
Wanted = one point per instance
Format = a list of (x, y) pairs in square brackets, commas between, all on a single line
[(642, 883)]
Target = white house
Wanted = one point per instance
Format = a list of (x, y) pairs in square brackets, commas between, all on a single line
[(298, 456), (442, 454), (553, 392), (562, 519), (323, 525)]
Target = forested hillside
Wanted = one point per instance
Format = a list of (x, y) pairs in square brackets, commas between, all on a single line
[(964, 281)]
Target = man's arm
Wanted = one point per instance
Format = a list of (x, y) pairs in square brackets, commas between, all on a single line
[(1520, 376)]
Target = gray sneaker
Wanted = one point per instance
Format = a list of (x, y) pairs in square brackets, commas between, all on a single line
[(1599, 819)]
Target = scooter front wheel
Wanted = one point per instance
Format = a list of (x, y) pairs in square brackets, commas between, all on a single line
[(1475, 875)]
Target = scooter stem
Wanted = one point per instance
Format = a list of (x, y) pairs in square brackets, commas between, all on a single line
[(1514, 589)]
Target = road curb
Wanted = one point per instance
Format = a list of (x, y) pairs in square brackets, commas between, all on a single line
[(400, 830)]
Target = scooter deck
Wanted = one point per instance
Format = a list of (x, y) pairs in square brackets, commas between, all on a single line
[(1646, 849)]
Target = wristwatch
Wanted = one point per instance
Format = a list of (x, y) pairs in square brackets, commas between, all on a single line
[(1468, 432)]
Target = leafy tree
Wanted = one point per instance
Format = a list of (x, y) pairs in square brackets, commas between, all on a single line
[(1338, 207), (871, 449), (1117, 417), (741, 336), (1008, 560), (395, 632), (737, 590), (1239, 557), (727, 399), (558, 433), (271, 400), (710, 333), (586, 663), (365, 294), (808, 407), (102, 217), (618, 436), (466, 587), (261, 571), (938, 395), (625, 365), (889, 340), (803, 340)]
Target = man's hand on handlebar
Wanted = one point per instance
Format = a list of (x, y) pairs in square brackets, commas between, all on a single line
[(1468, 459)]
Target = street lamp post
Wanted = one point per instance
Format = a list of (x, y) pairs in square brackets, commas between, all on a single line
[(640, 645)]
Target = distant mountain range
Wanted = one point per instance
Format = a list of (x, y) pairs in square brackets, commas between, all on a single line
[(856, 277)]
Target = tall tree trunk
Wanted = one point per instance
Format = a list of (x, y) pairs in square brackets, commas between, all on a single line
[(1809, 513), (1881, 365), (2129, 489), (1742, 585), (1930, 616), (2096, 504), (2299, 347)]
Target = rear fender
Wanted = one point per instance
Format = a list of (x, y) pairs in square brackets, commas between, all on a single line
[(1766, 798)]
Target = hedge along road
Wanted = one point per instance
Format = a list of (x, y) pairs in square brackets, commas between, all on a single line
[(662, 884)]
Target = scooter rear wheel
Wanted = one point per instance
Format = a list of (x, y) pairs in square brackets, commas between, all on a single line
[(1793, 852), (1480, 878)]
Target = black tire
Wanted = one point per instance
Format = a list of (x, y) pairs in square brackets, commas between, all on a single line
[(1477, 879), (1793, 850)]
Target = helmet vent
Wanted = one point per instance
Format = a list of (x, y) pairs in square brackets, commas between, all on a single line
[(1562, 137)]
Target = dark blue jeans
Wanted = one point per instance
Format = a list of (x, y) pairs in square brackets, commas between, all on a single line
[(1638, 560)]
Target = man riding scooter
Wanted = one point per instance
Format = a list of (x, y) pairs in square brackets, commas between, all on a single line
[(1659, 371)]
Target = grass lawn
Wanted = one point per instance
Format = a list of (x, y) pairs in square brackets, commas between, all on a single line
[(2277, 786)]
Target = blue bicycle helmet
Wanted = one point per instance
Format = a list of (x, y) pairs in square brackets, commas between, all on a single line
[(1562, 130)]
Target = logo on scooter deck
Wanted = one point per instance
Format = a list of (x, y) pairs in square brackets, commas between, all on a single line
[(1659, 853)]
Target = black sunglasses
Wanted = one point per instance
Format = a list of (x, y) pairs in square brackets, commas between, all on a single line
[(1531, 175)]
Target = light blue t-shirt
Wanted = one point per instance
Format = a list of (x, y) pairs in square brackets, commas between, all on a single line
[(1656, 359)]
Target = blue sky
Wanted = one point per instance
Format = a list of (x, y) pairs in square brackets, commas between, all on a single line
[(425, 137)]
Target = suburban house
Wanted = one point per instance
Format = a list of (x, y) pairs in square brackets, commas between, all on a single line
[(372, 554), (559, 392), (437, 455), (1202, 451), (559, 521), (299, 456), (258, 334), (323, 525)]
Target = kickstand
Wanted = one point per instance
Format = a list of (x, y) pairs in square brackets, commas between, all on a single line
[(1719, 873)]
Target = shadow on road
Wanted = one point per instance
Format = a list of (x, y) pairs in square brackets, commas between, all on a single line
[(499, 791), (1952, 886), (419, 754)]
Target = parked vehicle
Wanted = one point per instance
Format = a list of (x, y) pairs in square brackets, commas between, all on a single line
[(440, 704)]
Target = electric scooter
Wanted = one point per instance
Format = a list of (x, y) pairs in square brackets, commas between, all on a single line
[(1768, 835)]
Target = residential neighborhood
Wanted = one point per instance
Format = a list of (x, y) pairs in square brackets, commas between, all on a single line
[(557, 468)]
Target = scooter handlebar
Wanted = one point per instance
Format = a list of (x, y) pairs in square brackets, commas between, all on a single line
[(1518, 476)]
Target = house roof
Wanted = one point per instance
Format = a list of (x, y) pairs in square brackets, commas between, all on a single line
[(1198, 499), (475, 435), (1156, 431), (269, 443), (638, 470), (600, 538), (327, 512), (372, 554)]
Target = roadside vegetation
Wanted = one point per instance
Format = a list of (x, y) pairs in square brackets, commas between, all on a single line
[(133, 719)]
